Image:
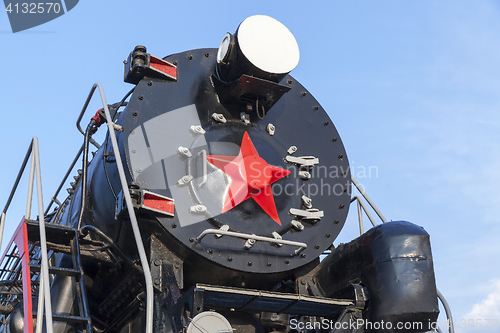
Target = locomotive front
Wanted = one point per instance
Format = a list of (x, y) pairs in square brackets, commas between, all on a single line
[(255, 168)]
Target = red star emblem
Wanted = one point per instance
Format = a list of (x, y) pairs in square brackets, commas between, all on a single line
[(251, 177)]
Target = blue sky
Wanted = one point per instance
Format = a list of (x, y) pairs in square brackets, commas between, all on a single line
[(412, 87)]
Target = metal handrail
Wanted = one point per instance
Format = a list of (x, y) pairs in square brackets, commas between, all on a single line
[(302, 246), (116, 106), (54, 197), (367, 198), (44, 297), (133, 219), (361, 206), (89, 97)]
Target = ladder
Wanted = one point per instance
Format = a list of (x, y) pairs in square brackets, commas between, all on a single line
[(20, 265), (24, 266)]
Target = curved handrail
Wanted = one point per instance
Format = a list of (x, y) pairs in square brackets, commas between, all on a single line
[(130, 207)]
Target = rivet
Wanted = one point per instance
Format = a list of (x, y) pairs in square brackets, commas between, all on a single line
[(230, 259), (303, 255), (327, 235), (316, 247), (334, 140), (141, 98), (190, 57), (304, 94), (302, 282), (157, 262), (316, 108), (174, 225), (269, 264), (175, 63), (287, 261), (289, 81), (177, 265), (134, 114), (249, 263), (157, 281), (336, 221), (207, 55), (340, 156), (191, 239), (210, 251), (326, 123), (341, 206), (150, 83)]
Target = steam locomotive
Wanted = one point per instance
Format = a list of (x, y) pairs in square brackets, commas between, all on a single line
[(239, 183)]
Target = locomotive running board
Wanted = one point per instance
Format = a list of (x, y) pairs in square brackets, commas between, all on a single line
[(263, 301)]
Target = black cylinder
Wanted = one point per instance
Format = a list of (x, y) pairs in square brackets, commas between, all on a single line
[(394, 262)]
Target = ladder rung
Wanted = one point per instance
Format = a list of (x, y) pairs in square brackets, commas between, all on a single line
[(66, 318), (55, 233), (57, 270)]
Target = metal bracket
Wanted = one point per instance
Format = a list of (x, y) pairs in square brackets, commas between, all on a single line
[(292, 150), (303, 161), (307, 202), (225, 227), (184, 152), (219, 117), (297, 225), (197, 209), (197, 130), (166, 269), (185, 180), (308, 215), (270, 129), (304, 174), (117, 127), (245, 117), (276, 235), (203, 155), (361, 296)]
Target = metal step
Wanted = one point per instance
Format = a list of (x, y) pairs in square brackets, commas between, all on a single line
[(67, 318), (57, 270), (55, 233)]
